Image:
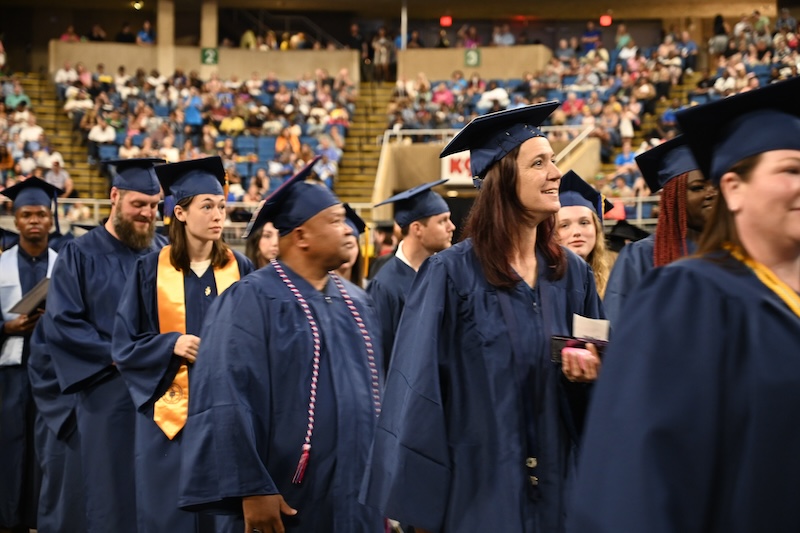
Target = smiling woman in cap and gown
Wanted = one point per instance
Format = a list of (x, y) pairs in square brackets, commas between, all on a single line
[(22, 267), (579, 225), (685, 203), (286, 387), (480, 429), (695, 422), (85, 287), (156, 334), (424, 220)]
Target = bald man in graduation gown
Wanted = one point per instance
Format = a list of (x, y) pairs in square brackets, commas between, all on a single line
[(250, 446), (85, 289)]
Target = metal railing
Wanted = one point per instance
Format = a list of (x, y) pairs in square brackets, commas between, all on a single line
[(290, 23), (444, 135)]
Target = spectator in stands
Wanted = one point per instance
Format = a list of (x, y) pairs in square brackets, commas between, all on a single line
[(31, 131), (502, 36), (760, 22), (626, 168), (623, 37), (70, 36), (415, 40), (12, 100), (98, 34), (688, 51), (128, 150), (786, 21), (469, 37), (125, 34), (58, 177), (168, 151), (6, 160), (443, 41), (383, 48), (64, 77), (718, 43), (591, 37), (564, 52), (146, 36), (27, 163), (725, 84), (494, 95), (101, 133)]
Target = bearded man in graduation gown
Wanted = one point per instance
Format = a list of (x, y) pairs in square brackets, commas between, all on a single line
[(286, 387), (84, 292), (424, 220), (22, 267)]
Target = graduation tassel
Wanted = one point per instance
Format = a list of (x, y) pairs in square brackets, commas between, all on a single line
[(301, 465)]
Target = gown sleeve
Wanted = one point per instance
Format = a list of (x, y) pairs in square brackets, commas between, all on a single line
[(227, 435), (80, 354), (628, 270), (144, 355), (649, 451), (409, 474), (56, 409), (389, 310)]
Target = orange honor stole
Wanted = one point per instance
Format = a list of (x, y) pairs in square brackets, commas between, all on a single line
[(171, 410)]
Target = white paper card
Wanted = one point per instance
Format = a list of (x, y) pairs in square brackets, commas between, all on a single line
[(590, 328)]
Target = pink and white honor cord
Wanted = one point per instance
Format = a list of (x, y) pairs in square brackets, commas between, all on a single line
[(312, 402)]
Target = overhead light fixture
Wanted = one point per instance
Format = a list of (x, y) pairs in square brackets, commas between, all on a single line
[(137, 5)]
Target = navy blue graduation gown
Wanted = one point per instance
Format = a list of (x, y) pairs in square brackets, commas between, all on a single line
[(454, 436), (388, 292), (62, 501), (634, 262), (86, 285), (695, 420), (19, 468), (145, 358), (249, 401)]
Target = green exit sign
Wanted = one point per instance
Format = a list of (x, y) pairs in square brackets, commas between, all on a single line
[(472, 57), (209, 56)]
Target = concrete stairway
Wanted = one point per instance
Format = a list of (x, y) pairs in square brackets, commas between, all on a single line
[(362, 149)]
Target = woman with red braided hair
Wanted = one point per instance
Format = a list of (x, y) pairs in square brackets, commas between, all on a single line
[(685, 202)]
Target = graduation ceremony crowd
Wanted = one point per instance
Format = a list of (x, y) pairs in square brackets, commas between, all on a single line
[(173, 384)]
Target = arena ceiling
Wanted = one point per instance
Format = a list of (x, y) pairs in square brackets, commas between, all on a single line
[(463, 9), (432, 9)]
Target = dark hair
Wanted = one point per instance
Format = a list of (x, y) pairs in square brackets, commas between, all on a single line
[(720, 228), (495, 224), (357, 272), (672, 225), (251, 249), (179, 254), (405, 229)]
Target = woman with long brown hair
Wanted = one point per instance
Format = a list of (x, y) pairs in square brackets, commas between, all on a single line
[(156, 335), (686, 199), (479, 427), (694, 425)]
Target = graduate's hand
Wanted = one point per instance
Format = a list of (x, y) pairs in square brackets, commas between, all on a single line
[(263, 513), (579, 364), (186, 346), (22, 325)]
